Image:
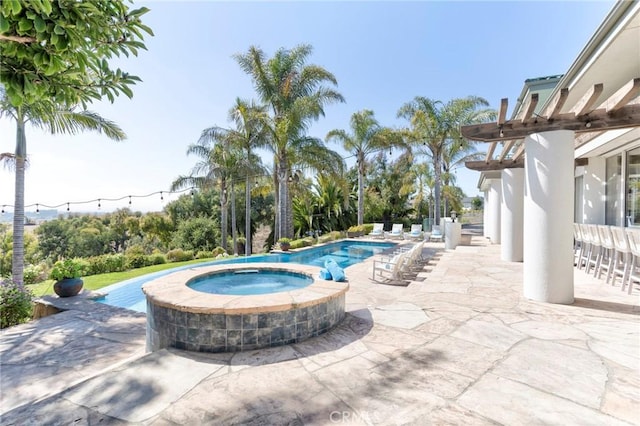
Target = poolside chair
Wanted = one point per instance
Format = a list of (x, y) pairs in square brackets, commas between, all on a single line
[(389, 269), (378, 230), (396, 232), (436, 234), (416, 232)]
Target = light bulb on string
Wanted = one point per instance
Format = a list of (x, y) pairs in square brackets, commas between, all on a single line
[(129, 199), (67, 206), (37, 209), (161, 197), (99, 204), (3, 209)]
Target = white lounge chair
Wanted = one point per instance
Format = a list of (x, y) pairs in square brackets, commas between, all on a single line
[(436, 234), (378, 230), (390, 269), (416, 232), (396, 232)]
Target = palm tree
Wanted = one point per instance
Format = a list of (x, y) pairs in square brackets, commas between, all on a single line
[(296, 94), (251, 133), (436, 125), (55, 118), (367, 136), (423, 177), (454, 156)]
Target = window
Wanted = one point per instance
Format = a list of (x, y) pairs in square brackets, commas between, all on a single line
[(633, 188), (613, 205)]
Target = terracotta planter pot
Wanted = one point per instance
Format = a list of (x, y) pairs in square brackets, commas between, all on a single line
[(68, 287)]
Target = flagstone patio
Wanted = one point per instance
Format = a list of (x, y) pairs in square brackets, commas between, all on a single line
[(458, 345)]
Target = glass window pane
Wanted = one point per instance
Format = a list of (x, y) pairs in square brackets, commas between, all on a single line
[(633, 187), (612, 201)]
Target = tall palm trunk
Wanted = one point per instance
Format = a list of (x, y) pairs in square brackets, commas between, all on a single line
[(283, 196), (17, 268), (234, 231), (247, 216), (437, 170), (361, 171), (223, 214)]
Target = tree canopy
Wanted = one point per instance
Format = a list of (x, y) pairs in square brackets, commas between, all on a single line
[(59, 49)]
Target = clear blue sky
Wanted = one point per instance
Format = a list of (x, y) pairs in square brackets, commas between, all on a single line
[(382, 53)]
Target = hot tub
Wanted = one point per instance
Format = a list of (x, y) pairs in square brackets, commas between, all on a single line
[(181, 317)]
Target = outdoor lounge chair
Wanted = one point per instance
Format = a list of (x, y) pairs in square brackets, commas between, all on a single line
[(416, 232), (396, 231), (436, 234), (390, 269), (378, 230)]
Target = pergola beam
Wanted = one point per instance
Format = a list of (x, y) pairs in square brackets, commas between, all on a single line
[(553, 110), (531, 107), (481, 166), (622, 96), (588, 100), (507, 147), (502, 116), (492, 148), (519, 153), (624, 117)]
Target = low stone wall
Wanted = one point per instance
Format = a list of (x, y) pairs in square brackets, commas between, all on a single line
[(180, 317)]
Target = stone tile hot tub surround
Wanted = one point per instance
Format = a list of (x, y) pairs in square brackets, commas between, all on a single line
[(180, 317)]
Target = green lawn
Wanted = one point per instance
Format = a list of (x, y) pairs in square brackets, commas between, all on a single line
[(94, 282)]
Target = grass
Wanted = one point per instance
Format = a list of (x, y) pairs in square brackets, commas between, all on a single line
[(95, 282)]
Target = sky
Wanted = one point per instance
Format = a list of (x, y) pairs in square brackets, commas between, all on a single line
[(383, 54)]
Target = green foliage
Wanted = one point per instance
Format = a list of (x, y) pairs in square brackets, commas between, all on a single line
[(196, 234), (34, 274), (157, 259), (105, 263), (367, 228), (302, 242), (203, 255), (477, 203), (15, 304), (59, 50), (179, 255), (218, 251), (67, 268)]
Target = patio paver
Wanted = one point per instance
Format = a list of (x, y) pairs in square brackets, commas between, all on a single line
[(459, 345)]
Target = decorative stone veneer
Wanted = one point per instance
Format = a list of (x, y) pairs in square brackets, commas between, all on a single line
[(180, 317)]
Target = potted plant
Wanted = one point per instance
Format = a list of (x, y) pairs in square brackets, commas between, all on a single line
[(67, 274), (284, 243), (355, 231)]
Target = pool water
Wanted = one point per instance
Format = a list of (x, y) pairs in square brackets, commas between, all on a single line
[(128, 294), (250, 281)]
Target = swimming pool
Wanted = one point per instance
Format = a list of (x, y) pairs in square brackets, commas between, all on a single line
[(128, 294)]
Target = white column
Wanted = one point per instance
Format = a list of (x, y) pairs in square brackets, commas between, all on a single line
[(512, 218), (495, 198), (548, 215), (485, 215)]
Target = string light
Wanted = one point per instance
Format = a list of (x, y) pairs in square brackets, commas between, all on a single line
[(67, 204), (161, 197)]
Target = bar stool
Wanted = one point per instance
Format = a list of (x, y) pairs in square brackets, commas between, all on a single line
[(595, 249), (633, 236), (586, 245), (608, 250), (621, 260)]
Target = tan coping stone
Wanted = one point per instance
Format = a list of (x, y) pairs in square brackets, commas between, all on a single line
[(171, 291)]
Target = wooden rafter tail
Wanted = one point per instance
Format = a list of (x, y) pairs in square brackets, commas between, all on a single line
[(489, 156), (502, 115), (507, 147), (555, 106), (588, 100), (518, 154), (531, 107), (622, 96), (481, 166)]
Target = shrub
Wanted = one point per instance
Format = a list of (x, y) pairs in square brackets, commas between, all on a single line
[(105, 263), (203, 254), (136, 260), (67, 268), (218, 251), (34, 274), (367, 228), (157, 259), (15, 304), (303, 242), (179, 255)]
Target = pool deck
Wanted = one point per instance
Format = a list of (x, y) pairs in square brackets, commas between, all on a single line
[(457, 345)]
